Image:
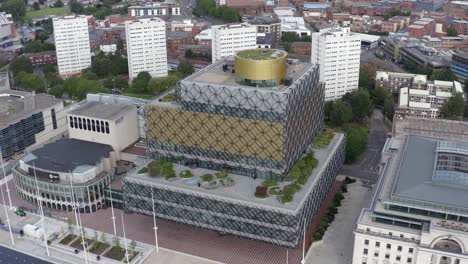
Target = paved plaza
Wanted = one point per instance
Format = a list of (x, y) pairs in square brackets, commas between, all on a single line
[(336, 247)]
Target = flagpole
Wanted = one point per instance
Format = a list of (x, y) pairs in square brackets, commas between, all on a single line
[(125, 238), (41, 210), (7, 217), (6, 182), (112, 209), (154, 222)]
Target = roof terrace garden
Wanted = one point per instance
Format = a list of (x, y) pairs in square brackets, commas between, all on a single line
[(261, 54)]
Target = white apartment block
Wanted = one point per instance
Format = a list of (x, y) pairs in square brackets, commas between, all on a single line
[(424, 98), (228, 39), (338, 52), (72, 44), (146, 47), (419, 211)]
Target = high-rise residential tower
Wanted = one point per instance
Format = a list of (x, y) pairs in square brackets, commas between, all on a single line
[(146, 47), (72, 44), (338, 52), (228, 39)]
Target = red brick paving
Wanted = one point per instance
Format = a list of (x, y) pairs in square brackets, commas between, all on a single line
[(187, 239)]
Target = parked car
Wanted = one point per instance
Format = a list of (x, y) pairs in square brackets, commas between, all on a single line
[(20, 212)]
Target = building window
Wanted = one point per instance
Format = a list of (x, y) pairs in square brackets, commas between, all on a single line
[(93, 125), (84, 124), (80, 124), (410, 250), (387, 256), (398, 258), (377, 244), (76, 122), (366, 251), (72, 124), (89, 124), (376, 254), (366, 242), (107, 127), (399, 248), (389, 246), (409, 260), (102, 126), (98, 127)]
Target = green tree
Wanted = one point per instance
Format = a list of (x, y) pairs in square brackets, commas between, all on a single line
[(103, 238), (290, 37), (78, 87), (76, 7), (361, 104), (190, 54), (36, 6), (20, 64), (454, 108), (159, 85), (37, 46), (49, 69), (69, 226), (389, 107), (58, 3), (443, 75), (341, 113), (452, 32), (140, 83), (356, 142), (30, 82), (101, 65), (327, 109), (117, 82), (366, 77), (379, 95), (466, 85), (116, 242), (17, 9), (133, 245), (185, 68)]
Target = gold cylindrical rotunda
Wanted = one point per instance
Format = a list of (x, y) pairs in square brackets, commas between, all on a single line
[(260, 67)]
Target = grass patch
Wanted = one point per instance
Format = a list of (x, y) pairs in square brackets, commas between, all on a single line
[(186, 174), (287, 198), (98, 247), (161, 168), (303, 168), (207, 177), (143, 170), (275, 191), (270, 183), (66, 240), (259, 54), (289, 191), (169, 98), (77, 243), (47, 12), (116, 253), (221, 175), (323, 139)]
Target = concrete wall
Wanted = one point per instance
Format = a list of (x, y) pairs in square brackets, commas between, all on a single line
[(436, 128)]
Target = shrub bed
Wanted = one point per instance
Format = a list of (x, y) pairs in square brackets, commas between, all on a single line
[(323, 139), (161, 168), (270, 183), (186, 174), (261, 192), (66, 240), (207, 177), (98, 247), (116, 253), (275, 190), (329, 216), (143, 170), (77, 243), (221, 174)]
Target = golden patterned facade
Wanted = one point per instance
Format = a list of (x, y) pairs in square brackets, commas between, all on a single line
[(214, 132), (268, 69)]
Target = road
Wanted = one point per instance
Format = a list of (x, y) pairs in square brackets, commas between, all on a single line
[(366, 167), (8, 256)]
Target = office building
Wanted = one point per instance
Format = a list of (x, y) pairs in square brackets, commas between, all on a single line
[(72, 44), (165, 8), (146, 47), (393, 81), (250, 118), (425, 98), (265, 24), (338, 52), (28, 119), (419, 213), (460, 65), (230, 38)]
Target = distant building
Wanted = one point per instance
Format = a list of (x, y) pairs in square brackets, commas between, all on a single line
[(393, 81), (425, 98), (28, 119), (457, 9), (422, 27), (72, 44), (230, 38), (423, 56), (151, 9), (176, 38), (460, 65), (461, 26), (429, 5), (42, 58), (265, 24), (419, 212), (266, 40), (7, 27), (338, 52), (146, 47), (294, 25)]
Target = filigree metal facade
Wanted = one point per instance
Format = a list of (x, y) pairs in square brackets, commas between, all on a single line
[(246, 130), (275, 225)]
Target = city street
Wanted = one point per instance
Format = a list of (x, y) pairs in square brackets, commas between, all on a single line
[(8, 256), (367, 166)]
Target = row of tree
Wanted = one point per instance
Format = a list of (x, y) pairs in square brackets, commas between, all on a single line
[(209, 8), (99, 11)]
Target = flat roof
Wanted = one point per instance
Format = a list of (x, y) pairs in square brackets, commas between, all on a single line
[(17, 105), (214, 74), (261, 54), (244, 188), (67, 155), (101, 110), (414, 180)]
